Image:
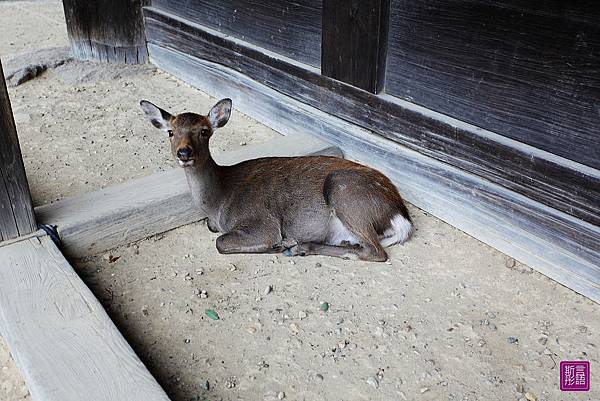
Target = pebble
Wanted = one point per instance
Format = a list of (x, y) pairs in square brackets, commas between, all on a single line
[(203, 294), (530, 397), (251, 329), (302, 315), (268, 290), (324, 306), (371, 381), (520, 388), (233, 267), (319, 376), (145, 310), (342, 344), (510, 263), (512, 340), (280, 395), (205, 385), (423, 390), (295, 328)]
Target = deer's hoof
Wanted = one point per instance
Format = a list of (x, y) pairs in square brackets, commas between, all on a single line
[(296, 250)]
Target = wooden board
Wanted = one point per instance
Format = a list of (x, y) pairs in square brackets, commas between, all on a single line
[(558, 245), (557, 182), (529, 70), (107, 30), (95, 222), (289, 27), (62, 340), (16, 210), (354, 42)]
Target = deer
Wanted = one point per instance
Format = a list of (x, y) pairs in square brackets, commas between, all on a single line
[(297, 206)]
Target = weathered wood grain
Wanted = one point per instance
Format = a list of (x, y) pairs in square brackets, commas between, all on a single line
[(527, 70), (557, 182), (95, 222), (16, 210), (107, 30), (558, 245), (63, 341), (288, 27), (354, 42)]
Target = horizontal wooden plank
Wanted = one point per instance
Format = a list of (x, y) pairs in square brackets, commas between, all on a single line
[(552, 180), (288, 27), (95, 222), (529, 73), (556, 244), (63, 341)]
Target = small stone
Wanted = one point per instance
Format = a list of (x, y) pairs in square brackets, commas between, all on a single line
[(512, 340), (520, 388), (251, 329), (427, 300), (199, 272), (342, 344), (232, 267), (145, 310), (371, 381), (423, 390), (268, 290), (319, 376), (302, 315), (317, 264), (280, 395), (187, 340), (530, 397), (205, 385), (242, 143), (510, 263), (203, 294), (324, 306), (295, 328)]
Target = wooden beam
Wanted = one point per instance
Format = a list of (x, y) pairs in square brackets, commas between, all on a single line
[(107, 30), (354, 42), (554, 181), (16, 210), (62, 340), (95, 222), (558, 245)]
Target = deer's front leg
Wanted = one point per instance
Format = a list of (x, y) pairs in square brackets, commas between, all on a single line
[(239, 241)]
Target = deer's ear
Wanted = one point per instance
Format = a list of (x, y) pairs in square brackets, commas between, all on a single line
[(220, 113), (158, 117)]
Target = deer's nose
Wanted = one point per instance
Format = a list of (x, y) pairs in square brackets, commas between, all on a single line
[(184, 153)]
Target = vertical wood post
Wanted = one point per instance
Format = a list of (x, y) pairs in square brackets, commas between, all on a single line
[(355, 41), (107, 30), (16, 211)]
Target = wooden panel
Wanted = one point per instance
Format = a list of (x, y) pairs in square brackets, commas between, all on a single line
[(552, 180), (354, 42), (95, 222), (289, 27), (107, 30), (16, 210), (558, 245), (64, 343), (526, 70)]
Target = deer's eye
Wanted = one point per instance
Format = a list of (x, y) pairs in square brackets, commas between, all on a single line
[(205, 132), (170, 132)]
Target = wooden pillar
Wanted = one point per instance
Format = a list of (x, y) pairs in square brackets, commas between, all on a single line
[(107, 30), (16, 210), (355, 42)]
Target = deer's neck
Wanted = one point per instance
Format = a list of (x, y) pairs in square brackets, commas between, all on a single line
[(206, 186)]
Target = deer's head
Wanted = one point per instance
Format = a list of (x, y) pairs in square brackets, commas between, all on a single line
[(189, 132)]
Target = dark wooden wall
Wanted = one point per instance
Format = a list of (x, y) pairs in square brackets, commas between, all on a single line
[(291, 28), (16, 211), (528, 70)]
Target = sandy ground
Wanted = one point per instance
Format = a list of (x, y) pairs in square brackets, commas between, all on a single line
[(448, 318)]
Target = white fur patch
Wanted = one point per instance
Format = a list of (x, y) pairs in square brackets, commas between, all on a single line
[(187, 163), (399, 231), (338, 233)]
